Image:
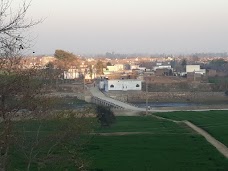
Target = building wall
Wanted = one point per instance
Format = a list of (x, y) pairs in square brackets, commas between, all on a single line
[(123, 85), (119, 67), (192, 76), (112, 68), (162, 67), (195, 68), (134, 67), (71, 74), (162, 72), (192, 68)]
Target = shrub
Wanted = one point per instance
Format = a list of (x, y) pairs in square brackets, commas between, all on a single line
[(226, 92), (105, 116)]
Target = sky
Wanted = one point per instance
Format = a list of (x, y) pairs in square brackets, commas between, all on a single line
[(130, 26)]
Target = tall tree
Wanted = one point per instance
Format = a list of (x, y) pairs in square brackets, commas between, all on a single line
[(184, 62), (99, 67), (66, 60)]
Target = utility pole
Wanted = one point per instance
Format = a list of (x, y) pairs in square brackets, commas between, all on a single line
[(85, 72), (146, 98)]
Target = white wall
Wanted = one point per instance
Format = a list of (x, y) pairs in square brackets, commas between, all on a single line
[(119, 67), (123, 85), (101, 85), (112, 68), (162, 67), (134, 67), (192, 68), (195, 68), (71, 74)]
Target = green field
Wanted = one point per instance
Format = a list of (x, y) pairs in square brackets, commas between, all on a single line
[(160, 146), (168, 147), (218, 80), (143, 124), (214, 122)]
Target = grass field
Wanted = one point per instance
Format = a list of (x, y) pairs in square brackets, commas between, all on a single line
[(214, 122), (143, 124), (218, 80), (169, 147)]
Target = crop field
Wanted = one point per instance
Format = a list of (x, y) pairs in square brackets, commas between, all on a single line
[(169, 147), (157, 145), (214, 122), (143, 124)]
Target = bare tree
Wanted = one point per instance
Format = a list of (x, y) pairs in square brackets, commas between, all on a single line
[(64, 143), (16, 85), (13, 26), (24, 99)]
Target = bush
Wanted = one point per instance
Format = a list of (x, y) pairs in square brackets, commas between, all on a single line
[(226, 92), (105, 116)]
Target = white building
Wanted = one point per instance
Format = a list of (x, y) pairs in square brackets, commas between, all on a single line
[(123, 85), (112, 68), (120, 67), (162, 67), (195, 69), (134, 66), (142, 69), (71, 74)]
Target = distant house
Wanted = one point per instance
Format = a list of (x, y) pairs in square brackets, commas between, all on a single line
[(71, 74), (132, 66), (120, 67), (195, 69), (112, 68), (160, 65), (163, 72), (123, 85)]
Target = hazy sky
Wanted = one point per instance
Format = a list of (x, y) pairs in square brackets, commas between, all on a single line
[(131, 26)]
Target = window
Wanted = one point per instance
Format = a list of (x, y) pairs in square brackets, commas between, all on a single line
[(112, 86), (137, 85)]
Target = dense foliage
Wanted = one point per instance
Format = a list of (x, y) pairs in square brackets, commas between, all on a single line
[(105, 116)]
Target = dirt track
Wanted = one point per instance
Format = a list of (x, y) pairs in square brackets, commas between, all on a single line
[(217, 144)]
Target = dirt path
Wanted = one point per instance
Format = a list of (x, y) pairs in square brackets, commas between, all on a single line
[(217, 144)]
